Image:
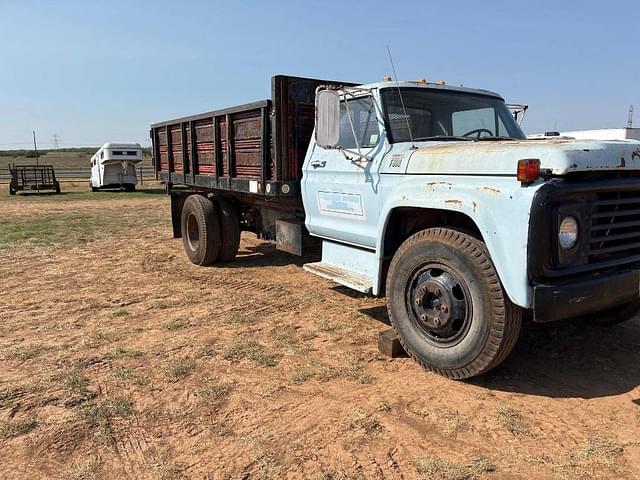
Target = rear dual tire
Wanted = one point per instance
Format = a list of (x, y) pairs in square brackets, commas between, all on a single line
[(210, 230), (447, 305)]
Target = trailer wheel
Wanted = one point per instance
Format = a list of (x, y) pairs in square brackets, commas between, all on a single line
[(614, 316), (229, 229), (447, 305), (11, 191), (200, 230)]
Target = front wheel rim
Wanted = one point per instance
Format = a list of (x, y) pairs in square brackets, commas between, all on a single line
[(438, 302)]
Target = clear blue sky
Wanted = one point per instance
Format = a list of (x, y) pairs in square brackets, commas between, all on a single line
[(93, 71)]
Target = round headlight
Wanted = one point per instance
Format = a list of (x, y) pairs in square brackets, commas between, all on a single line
[(568, 233)]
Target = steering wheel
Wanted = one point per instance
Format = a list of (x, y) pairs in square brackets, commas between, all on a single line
[(478, 132)]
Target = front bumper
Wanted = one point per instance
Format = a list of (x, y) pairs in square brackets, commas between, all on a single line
[(587, 295)]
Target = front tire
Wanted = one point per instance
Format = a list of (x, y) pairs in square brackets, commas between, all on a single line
[(447, 305), (200, 230)]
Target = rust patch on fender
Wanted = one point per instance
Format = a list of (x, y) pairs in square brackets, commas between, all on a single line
[(493, 190), (433, 185), (622, 163), (635, 153), (454, 202)]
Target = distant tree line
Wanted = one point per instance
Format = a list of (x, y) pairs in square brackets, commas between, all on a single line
[(32, 154)]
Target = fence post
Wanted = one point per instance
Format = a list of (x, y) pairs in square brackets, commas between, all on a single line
[(141, 177)]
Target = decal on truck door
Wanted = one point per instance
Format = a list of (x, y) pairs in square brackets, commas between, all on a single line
[(341, 204)]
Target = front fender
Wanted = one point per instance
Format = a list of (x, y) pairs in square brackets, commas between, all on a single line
[(499, 206)]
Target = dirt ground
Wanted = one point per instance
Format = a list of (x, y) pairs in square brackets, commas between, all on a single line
[(120, 359)]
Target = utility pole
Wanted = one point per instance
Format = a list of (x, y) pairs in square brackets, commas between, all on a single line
[(630, 120), (35, 147), (56, 141)]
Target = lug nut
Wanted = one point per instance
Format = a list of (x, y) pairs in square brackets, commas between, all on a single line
[(423, 289), (444, 309), (436, 321), (438, 292), (418, 302), (423, 317)]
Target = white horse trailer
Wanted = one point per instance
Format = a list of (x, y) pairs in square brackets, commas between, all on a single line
[(114, 166)]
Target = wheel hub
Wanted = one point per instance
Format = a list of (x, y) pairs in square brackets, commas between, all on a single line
[(438, 303)]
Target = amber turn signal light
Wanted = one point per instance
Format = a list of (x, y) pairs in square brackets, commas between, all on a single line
[(528, 170)]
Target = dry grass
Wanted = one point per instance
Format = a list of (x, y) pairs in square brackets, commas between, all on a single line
[(86, 469), (365, 423), (99, 413), (511, 419), (176, 324), (15, 428), (216, 391), (247, 349), (76, 383), (121, 352), (436, 468), (179, 369)]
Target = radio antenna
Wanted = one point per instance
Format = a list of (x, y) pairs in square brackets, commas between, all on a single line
[(404, 110)]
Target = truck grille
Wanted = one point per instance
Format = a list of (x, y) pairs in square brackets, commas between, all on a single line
[(615, 227)]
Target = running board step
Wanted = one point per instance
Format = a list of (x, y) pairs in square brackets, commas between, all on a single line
[(340, 275)]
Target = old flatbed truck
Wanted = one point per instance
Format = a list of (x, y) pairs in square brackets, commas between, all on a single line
[(427, 193)]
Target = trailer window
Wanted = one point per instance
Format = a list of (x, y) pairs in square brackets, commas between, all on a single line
[(364, 120)]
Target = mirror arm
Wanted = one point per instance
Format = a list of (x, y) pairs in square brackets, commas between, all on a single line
[(353, 130)]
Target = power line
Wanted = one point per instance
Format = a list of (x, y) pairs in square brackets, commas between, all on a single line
[(56, 141), (630, 120)]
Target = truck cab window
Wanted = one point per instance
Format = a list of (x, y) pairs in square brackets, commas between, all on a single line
[(432, 113), (365, 123)]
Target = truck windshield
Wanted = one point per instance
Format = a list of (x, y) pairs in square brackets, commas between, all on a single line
[(446, 115)]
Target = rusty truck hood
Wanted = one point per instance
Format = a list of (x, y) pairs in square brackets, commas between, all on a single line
[(560, 156)]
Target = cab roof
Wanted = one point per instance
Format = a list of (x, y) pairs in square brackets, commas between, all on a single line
[(428, 85)]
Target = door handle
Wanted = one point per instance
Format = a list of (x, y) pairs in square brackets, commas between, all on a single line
[(318, 163)]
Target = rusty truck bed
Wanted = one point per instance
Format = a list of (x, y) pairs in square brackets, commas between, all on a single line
[(255, 149)]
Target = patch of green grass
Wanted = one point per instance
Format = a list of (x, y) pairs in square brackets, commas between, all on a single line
[(76, 383), (247, 349), (600, 449), (120, 313), (51, 229), (102, 412), (512, 420), (436, 468), (16, 428), (179, 369), (175, 324), (123, 374)]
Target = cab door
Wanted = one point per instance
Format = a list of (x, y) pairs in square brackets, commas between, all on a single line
[(340, 183)]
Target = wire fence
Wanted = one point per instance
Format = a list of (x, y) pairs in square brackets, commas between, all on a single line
[(145, 173)]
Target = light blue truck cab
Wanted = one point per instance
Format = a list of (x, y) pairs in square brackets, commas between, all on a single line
[(432, 195), (427, 194)]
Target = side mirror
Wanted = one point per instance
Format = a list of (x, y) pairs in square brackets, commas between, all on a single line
[(327, 118)]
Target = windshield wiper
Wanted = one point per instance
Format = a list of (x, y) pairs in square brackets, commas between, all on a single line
[(443, 137)]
